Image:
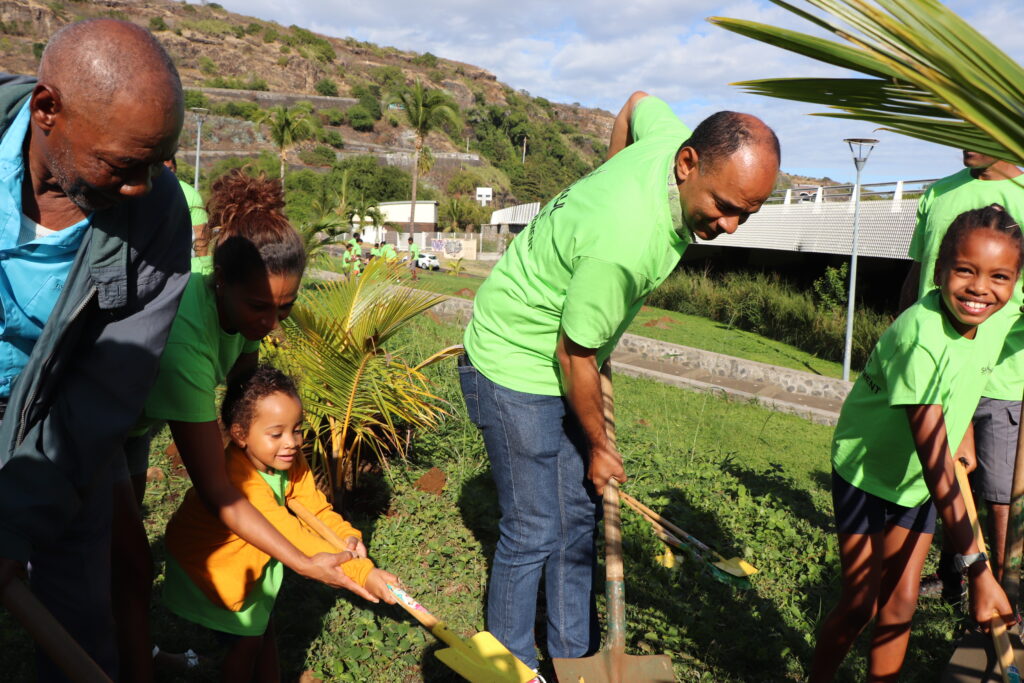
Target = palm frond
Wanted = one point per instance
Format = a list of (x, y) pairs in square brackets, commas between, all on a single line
[(357, 394), (931, 75)]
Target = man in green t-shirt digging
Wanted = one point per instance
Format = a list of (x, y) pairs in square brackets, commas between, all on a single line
[(544, 324), (984, 181)]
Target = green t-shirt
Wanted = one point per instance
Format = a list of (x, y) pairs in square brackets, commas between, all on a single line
[(195, 361), (355, 244), (388, 251), (939, 207), (196, 210), (919, 360), (414, 251), (586, 262), (184, 598)]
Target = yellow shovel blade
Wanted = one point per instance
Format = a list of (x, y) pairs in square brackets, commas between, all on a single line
[(736, 567), (481, 659)]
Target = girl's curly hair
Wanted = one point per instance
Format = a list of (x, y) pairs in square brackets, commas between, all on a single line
[(241, 397)]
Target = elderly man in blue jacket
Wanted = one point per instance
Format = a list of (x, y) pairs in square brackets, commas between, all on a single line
[(94, 255)]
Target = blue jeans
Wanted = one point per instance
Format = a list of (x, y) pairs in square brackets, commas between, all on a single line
[(549, 515)]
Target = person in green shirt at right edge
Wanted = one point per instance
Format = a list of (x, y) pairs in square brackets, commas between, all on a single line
[(894, 444), (544, 324), (984, 181)]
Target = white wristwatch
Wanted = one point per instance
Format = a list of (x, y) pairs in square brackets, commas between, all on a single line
[(964, 562)]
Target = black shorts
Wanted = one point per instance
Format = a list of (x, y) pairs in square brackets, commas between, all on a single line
[(860, 512)]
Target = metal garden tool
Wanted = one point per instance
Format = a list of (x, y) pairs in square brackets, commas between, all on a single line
[(735, 566), (611, 664), (479, 659)]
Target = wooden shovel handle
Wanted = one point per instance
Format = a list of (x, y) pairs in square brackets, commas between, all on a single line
[(313, 522), (59, 646), (325, 532), (653, 516), (1001, 641)]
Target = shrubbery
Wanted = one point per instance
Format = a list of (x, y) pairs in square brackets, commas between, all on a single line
[(768, 306), (326, 87), (321, 155), (360, 119)]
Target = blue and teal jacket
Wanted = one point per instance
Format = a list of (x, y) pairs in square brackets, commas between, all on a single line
[(89, 373)]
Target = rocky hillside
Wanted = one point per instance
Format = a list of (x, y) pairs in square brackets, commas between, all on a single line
[(231, 58)]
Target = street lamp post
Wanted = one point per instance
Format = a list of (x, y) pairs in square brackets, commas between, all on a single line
[(200, 114), (860, 157)]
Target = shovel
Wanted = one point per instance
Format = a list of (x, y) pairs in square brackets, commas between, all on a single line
[(480, 659), (734, 566), (611, 664)]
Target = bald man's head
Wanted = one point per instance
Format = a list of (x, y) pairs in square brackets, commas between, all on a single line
[(99, 61), (725, 171), (106, 112)]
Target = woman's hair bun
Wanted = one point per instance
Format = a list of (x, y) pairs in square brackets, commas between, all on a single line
[(237, 197)]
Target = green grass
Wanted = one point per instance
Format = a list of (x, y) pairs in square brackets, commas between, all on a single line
[(702, 333)]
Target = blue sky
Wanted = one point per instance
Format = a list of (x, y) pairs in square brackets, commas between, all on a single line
[(596, 52)]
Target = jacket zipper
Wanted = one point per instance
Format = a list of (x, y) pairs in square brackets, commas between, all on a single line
[(23, 419)]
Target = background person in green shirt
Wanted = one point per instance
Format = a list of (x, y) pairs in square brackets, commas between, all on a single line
[(544, 324), (414, 257), (196, 212), (894, 443), (984, 181)]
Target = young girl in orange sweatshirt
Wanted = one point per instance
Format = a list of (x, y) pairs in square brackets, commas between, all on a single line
[(218, 580)]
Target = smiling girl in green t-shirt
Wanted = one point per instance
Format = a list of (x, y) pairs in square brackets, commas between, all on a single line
[(892, 449)]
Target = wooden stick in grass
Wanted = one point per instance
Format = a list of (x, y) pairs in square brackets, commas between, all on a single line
[(59, 646)]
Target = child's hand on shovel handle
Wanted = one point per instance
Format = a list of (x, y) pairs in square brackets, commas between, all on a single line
[(377, 583), (988, 601)]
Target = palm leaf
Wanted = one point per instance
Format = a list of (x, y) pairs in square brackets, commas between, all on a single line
[(358, 395), (931, 75)]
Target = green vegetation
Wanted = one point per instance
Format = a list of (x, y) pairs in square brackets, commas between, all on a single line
[(357, 395), (157, 24), (768, 306), (286, 127), (235, 83), (195, 98), (326, 87), (551, 164), (962, 86), (360, 119), (424, 110), (321, 155)]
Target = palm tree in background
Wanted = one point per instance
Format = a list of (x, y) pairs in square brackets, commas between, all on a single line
[(929, 74), (287, 126), (425, 110)]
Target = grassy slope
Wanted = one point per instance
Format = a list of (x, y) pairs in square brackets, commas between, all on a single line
[(677, 328), (752, 482)]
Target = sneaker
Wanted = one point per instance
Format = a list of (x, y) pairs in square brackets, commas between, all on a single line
[(537, 679)]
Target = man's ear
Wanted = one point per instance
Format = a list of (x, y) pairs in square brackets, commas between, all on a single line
[(46, 106), (686, 163), (237, 435)]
